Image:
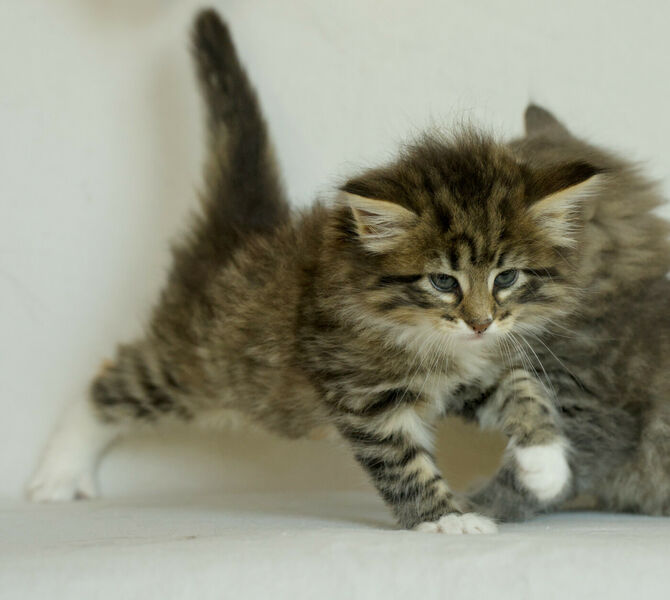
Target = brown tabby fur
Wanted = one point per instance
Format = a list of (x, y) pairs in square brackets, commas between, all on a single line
[(327, 317)]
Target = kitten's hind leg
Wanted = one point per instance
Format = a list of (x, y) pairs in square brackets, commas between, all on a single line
[(66, 470), (137, 389), (640, 482)]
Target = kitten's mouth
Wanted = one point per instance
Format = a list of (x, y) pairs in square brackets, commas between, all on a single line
[(473, 338)]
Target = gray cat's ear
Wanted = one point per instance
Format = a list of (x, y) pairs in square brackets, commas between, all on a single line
[(379, 224), (540, 120), (556, 197)]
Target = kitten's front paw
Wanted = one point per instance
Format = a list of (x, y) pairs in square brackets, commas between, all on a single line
[(458, 524), (543, 470)]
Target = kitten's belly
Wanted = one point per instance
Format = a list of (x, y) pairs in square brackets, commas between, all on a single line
[(225, 419), (230, 419), (279, 399), (285, 401)]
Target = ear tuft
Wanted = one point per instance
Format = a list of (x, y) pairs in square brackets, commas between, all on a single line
[(550, 180), (540, 120), (558, 195), (379, 223)]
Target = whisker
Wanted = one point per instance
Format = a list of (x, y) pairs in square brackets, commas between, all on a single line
[(546, 375), (560, 362)]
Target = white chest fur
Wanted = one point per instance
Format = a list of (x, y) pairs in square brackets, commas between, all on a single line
[(465, 370)]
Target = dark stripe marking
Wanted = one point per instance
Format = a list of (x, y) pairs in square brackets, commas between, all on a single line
[(388, 280), (388, 400)]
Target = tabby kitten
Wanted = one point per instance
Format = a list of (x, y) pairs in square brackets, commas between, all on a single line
[(372, 316), (607, 363)]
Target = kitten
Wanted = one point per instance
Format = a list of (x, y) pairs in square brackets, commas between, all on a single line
[(608, 361), (372, 316)]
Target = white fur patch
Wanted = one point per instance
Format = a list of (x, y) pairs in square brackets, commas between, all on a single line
[(67, 468), (543, 470), (425, 469), (456, 524), (411, 424)]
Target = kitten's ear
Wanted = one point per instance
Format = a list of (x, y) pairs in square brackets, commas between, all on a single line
[(379, 223), (556, 196), (540, 120)]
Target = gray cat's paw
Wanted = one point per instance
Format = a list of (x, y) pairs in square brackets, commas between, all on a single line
[(457, 524)]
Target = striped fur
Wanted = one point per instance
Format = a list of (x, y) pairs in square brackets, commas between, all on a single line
[(332, 317)]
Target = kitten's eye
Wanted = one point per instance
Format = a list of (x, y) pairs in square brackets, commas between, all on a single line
[(506, 278), (443, 282)]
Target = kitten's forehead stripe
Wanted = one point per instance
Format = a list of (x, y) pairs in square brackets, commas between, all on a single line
[(467, 246), (489, 255), (454, 259), (443, 216)]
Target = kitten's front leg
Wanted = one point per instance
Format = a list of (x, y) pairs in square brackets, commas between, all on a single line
[(525, 413), (393, 443)]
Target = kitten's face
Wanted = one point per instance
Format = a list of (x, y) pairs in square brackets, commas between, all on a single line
[(466, 242), (479, 300)]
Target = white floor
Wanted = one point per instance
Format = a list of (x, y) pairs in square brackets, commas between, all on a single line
[(316, 545)]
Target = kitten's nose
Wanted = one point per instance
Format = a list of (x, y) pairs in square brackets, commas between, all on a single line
[(480, 327)]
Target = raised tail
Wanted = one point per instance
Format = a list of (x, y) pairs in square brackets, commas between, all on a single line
[(242, 176), (243, 194)]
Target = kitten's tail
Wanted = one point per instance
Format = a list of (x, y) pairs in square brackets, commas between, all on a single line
[(242, 174), (243, 194)]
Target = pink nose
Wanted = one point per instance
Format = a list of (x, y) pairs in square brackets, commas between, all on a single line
[(480, 327)]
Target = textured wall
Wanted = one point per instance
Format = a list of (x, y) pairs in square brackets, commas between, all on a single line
[(101, 150)]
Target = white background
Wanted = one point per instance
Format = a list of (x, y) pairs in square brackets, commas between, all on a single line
[(100, 154)]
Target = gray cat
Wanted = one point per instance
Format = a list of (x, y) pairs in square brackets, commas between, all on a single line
[(607, 363)]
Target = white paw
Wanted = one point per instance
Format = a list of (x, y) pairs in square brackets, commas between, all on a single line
[(67, 469), (457, 524), (544, 470), (60, 484)]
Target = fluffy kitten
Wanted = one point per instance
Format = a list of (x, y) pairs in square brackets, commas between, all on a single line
[(608, 362), (372, 316)]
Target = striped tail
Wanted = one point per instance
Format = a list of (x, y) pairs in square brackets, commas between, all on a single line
[(243, 194)]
